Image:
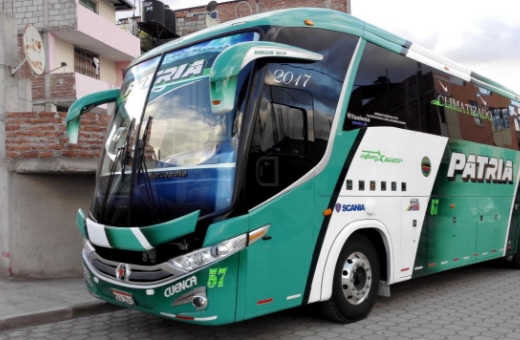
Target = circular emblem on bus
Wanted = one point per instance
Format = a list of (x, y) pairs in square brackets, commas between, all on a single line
[(426, 166), (122, 271)]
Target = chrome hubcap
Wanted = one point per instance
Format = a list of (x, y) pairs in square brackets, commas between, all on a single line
[(356, 278)]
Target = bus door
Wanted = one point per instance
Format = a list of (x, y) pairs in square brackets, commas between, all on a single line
[(452, 232), (280, 154), (492, 226)]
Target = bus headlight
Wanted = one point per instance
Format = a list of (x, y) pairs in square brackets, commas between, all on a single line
[(208, 255)]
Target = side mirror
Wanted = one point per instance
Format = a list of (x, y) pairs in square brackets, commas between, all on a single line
[(84, 105), (229, 63)]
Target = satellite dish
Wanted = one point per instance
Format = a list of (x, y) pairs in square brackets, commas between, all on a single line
[(239, 13), (34, 49), (210, 7)]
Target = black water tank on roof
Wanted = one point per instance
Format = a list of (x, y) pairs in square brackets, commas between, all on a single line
[(169, 19), (153, 11)]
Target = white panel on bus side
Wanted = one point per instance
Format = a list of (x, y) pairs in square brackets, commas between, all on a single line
[(413, 211), (391, 166)]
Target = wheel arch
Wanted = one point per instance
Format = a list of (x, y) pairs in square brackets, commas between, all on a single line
[(380, 237)]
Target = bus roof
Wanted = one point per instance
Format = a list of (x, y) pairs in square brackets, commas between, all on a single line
[(340, 22)]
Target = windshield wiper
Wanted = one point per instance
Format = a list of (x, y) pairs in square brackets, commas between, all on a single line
[(122, 152), (142, 170)]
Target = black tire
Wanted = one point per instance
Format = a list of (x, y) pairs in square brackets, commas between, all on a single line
[(353, 303)]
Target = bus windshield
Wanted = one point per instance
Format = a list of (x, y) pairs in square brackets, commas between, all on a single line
[(166, 154)]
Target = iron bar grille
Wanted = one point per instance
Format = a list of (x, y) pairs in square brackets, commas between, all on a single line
[(84, 62)]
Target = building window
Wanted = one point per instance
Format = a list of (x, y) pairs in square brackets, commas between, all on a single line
[(86, 62), (500, 118), (90, 4), (478, 120)]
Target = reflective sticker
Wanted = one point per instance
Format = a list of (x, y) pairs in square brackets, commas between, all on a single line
[(434, 208), (216, 277), (414, 205)]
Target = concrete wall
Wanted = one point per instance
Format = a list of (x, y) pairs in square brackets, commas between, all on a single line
[(38, 235), (107, 70), (45, 241), (63, 52), (106, 10), (59, 14), (7, 57)]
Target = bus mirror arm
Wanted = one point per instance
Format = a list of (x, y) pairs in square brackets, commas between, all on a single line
[(84, 105), (228, 64)]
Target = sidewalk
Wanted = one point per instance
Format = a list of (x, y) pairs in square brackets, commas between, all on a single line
[(34, 302)]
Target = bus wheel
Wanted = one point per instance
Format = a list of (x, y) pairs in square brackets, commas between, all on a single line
[(515, 262), (355, 283)]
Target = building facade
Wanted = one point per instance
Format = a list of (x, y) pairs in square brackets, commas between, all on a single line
[(194, 19), (43, 178), (85, 50)]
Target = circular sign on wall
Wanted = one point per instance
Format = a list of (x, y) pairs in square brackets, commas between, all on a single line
[(34, 50)]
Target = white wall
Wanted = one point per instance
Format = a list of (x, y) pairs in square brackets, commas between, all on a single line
[(107, 70), (63, 51), (106, 10)]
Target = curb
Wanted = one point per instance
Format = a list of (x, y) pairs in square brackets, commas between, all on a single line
[(55, 315)]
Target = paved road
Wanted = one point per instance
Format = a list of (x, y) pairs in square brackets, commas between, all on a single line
[(479, 303)]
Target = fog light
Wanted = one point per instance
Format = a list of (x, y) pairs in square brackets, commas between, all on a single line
[(199, 301)]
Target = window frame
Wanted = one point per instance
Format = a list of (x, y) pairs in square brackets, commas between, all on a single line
[(81, 57), (94, 3)]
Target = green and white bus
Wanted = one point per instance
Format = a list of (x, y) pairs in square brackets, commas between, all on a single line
[(294, 157)]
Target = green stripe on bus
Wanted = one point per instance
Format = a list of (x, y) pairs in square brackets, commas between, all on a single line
[(164, 232), (123, 238), (80, 221)]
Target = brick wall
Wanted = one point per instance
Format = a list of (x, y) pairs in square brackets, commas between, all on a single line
[(43, 135), (187, 23)]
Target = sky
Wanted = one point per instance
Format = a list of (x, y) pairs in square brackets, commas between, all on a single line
[(483, 35)]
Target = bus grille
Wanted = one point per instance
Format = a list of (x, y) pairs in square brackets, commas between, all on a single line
[(135, 275)]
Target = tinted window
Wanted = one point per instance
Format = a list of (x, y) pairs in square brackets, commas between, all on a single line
[(323, 79), (393, 90), (389, 90)]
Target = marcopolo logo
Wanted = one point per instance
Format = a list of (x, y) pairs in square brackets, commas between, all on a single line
[(480, 168), (349, 207), (180, 286)]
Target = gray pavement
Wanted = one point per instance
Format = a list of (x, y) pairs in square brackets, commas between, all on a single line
[(474, 303), (32, 302)]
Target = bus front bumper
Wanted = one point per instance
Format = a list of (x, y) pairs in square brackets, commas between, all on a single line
[(204, 296)]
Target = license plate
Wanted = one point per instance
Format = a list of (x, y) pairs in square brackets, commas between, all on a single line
[(123, 297)]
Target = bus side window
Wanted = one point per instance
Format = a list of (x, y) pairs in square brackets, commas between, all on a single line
[(391, 90), (396, 91)]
